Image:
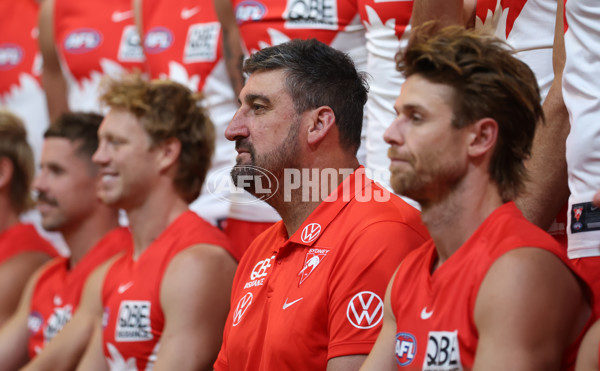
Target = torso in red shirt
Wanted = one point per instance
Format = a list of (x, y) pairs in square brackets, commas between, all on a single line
[(58, 289)]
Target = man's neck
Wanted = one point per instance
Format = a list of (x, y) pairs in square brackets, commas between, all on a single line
[(8, 217), (82, 237), (453, 219), (149, 220), (302, 203)]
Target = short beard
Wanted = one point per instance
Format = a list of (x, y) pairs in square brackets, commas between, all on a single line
[(249, 176)]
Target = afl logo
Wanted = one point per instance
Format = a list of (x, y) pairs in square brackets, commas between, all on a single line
[(158, 40), (82, 41), (250, 11), (10, 56), (406, 348), (310, 232)]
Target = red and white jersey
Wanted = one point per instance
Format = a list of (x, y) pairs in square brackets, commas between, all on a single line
[(387, 25), (133, 318), (581, 91), (265, 23), (94, 39), (21, 238), (20, 68), (58, 289), (527, 26), (435, 325)]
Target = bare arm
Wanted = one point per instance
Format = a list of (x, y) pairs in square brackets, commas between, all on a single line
[(66, 349), (14, 335), (529, 309), (137, 11), (195, 300), (587, 358), (382, 355), (547, 190), (14, 275), (52, 78), (232, 44)]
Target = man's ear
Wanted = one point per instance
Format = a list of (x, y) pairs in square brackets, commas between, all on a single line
[(322, 120), (168, 152), (483, 137), (6, 171)]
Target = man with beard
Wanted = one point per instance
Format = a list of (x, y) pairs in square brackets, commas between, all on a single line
[(490, 291), (66, 186), (163, 304), (307, 293)]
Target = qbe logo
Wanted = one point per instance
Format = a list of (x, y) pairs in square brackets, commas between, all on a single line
[(130, 49), (406, 348), (82, 41), (133, 323), (10, 56), (316, 14), (202, 42), (241, 308), (365, 310), (443, 352), (157, 40), (250, 11)]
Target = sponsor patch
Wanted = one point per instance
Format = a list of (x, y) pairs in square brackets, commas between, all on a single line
[(241, 308), (406, 348), (157, 40), (365, 310), (313, 258), (82, 41), (57, 321), (133, 323), (34, 322), (315, 14), (11, 56), (585, 217), (202, 42), (443, 353), (130, 49), (250, 11), (259, 272), (310, 232)]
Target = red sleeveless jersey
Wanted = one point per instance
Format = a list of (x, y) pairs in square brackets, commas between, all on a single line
[(95, 38), (22, 238), (133, 318), (435, 326), (58, 289)]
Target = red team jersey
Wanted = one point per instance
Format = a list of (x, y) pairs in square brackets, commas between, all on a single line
[(298, 302), (20, 68), (133, 318), (435, 313), (264, 23), (94, 38), (21, 238), (58, 289)]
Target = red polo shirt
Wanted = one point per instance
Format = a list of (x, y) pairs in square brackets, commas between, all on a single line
[(299, 301)]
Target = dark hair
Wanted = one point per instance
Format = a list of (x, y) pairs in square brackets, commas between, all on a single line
[(14, 146), (167, 109), (79, 127), (488, 81), (318, 75)]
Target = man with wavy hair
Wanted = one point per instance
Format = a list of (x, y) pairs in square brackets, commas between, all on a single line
[(162, 306), (476, 296)]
